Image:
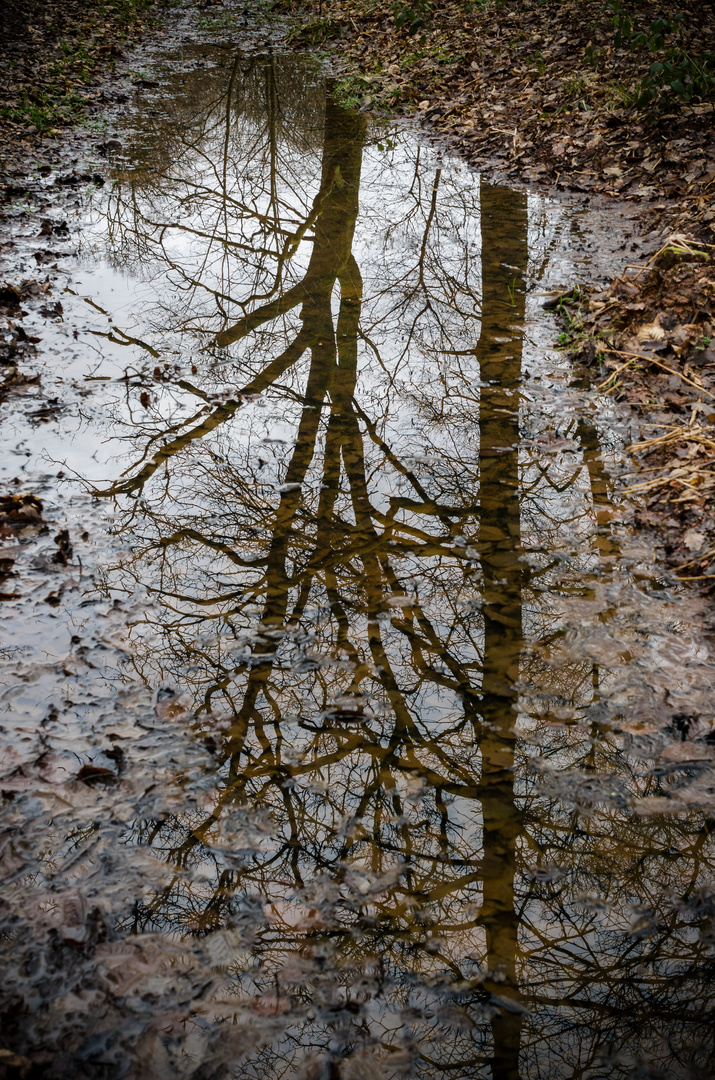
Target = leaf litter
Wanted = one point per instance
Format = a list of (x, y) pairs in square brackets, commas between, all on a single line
[(650, 334)]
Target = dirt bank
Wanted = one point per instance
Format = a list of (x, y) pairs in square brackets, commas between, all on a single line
[(647, 341)]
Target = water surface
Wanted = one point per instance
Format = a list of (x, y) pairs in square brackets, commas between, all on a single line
[(407, 747)]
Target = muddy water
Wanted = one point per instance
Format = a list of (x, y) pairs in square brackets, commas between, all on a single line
[(356, 736)]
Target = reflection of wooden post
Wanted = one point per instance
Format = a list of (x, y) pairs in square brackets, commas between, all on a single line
[(504, 255)]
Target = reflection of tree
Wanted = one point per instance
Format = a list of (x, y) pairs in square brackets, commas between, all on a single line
[(504, 233), (333, 216), (363, 628)]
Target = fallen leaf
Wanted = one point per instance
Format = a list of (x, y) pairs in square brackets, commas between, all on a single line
[(694, 540), (171, 706), (91, 774), (651, 332)]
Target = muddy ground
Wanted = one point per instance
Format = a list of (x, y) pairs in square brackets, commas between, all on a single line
[(53, 59), (544, 95)]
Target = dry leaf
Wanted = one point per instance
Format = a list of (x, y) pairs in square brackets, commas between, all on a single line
[(694, 540), (651, 332)]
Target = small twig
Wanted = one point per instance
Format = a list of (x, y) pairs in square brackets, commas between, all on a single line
[(672, 241), (613, 374), (660, 481), (606, 307), (693, 492), (659, 363), (687, 434), (698, 558)]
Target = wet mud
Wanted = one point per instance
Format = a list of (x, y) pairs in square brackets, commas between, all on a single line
[(348, 730)]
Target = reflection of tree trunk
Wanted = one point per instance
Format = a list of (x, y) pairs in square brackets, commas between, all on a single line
[(331, 261), (587, 435), (606, 543), (504, 254), (337, 208), (333, 370)]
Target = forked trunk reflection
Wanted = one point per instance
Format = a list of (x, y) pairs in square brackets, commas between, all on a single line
[(389, 816)]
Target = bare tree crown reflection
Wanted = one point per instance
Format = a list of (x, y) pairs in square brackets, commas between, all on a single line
[(340, 571)]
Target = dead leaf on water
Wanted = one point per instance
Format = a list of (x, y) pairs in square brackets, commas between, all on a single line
[(171, 706)]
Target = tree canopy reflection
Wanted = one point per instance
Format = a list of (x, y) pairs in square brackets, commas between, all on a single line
[(352, 550)]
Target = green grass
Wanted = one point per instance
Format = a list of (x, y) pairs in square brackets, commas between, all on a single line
[(316, 30), (58, 100), (46, 112), (350, 91)]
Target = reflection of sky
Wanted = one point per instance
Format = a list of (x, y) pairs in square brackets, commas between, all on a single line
[(396, 384), (417, 243), (425, 404)]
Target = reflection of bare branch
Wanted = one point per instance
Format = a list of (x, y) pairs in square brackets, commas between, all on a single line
[(217, 417), (351, 595)]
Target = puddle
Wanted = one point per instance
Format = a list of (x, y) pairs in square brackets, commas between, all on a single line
[(354, 735)]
